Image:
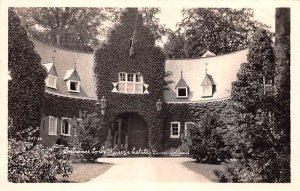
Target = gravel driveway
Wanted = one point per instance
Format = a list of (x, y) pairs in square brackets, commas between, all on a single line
[(148, 170)]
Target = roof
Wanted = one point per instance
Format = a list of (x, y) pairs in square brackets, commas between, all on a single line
[(208, 80), (222, 71), (181, 82), (64, 61), (208, 54), (72, 75), (50, 68)]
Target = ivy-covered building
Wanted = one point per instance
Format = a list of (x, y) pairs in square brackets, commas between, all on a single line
[(129, 72)]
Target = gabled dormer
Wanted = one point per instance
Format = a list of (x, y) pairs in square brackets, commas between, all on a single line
[(208, 85), (73, 80), (182, 89), (208, 54), (51, 79)]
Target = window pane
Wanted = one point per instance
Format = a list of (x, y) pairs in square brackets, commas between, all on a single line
[(122, 77), (73, 86), (138, 77), (51, 81), (130, 77), (52, 125), (182, 92)]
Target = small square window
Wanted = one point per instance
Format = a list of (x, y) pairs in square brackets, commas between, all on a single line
[(182, 92), (74, 86), (130, 77), (51, 81)]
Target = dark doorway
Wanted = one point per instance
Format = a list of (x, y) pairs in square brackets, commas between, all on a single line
[(129, 130)]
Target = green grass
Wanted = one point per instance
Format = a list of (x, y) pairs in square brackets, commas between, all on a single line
[(83, 172), (205, 170)]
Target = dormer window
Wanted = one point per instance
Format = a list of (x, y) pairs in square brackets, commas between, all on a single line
[(208, 85), (51, 81), (73, 86), (182, 92), (73, 80), (182, 88)]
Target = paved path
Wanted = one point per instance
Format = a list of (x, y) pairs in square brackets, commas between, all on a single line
[(148, 170)]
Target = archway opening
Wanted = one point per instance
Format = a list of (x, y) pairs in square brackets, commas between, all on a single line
[(129, 131)]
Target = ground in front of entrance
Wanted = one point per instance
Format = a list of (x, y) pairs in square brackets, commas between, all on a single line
[(149, 169)]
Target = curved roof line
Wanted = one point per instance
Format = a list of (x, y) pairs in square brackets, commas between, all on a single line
[(61, 48), (199, 57)]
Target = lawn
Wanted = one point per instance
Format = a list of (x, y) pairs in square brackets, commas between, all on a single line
[(83, 172), (204, 169)]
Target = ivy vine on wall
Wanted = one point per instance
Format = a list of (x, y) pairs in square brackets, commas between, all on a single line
[(114, 56)]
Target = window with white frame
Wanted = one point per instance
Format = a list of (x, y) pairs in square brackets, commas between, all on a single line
[(73, 86), (182, 92), (187, 127), (52, 126), (51, 81), (65, 127), (175, 130), (130, 83)]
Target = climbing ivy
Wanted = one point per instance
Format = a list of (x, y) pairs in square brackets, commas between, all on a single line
[(114, 56), (26, 87)]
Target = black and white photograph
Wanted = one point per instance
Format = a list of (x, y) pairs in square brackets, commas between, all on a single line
[(136, 95)]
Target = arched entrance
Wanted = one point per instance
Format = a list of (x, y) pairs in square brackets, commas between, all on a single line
[(128, 131)]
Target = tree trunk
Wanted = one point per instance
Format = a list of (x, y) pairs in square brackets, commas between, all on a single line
[(58, 39)]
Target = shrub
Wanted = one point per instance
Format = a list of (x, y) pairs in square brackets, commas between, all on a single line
[(90, 135), (206, 144), (28, 163)]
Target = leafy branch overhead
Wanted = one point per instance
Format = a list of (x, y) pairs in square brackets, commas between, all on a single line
[(80, 28), (218, 30)]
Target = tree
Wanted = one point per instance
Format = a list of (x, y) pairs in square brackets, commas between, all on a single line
[(90, 135), (282, 88), (26, 87), (175, 45), (255, 140), (206, 144), (69, 27), (220, 30)]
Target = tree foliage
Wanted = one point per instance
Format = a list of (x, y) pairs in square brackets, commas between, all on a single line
[(220, 30), (80, 28), (90, 134), (206, 143), (68, 27), (26, 88), (251, 120), (35, 164)]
